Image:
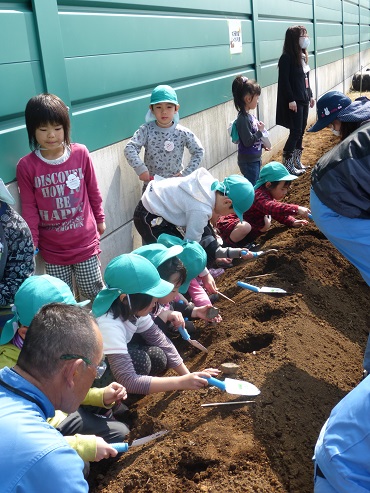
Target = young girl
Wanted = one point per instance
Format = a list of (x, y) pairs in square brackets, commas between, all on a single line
[(177, 261), (60, 197), (250, 131), (294, 95), (123, 310), (163, 139), (272, 186)]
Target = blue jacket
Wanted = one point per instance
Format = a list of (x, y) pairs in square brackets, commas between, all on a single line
[(343, 448), (34, 456)]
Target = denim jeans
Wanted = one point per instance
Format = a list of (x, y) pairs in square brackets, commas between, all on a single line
[(251, 171)]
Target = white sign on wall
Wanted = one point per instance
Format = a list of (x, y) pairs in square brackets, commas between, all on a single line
[(235, 36)]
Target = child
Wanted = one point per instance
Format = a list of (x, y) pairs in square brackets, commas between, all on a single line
[(164, 140), (16, 252), (251, 132), (86, 432), (189, 202), (123, 310), (178, 262), (273, 184), (60, 197), (294, 96)]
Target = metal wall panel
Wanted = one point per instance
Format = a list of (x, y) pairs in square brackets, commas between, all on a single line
[(103, 57)]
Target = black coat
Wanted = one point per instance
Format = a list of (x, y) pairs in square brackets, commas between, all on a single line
[(291, 87)]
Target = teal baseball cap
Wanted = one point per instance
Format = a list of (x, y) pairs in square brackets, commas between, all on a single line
[(129, 273), (193, 257), (273, 171), (33, 294), (157, 253), (239, 190), (164, 94)]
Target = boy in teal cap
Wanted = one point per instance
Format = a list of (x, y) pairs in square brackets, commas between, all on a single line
[(86, 432), (273, 184), (189, 203), (164, 140)]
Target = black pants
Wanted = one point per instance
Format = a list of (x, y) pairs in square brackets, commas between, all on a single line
[(85, 422), (297, 127), (150, 226)]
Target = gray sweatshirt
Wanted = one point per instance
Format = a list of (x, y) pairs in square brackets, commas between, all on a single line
[(164, 150)]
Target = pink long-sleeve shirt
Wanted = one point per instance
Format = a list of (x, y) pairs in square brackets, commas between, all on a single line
[(62, 205)]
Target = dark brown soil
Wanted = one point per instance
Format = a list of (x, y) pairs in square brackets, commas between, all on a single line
[(304, 351)]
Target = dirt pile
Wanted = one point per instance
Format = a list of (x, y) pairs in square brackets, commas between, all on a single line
[(304, 351)]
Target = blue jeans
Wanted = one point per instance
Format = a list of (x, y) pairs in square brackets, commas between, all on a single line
[(251, 171)]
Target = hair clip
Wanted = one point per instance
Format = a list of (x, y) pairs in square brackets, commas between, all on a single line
[(245, 79)]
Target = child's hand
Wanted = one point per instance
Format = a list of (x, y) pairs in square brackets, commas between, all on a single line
[(224, 261), (212, 371), (267, 220), (101, 228), (303, 211), (176, 319), (201, 312), (114, 392), (145, 176), (197, 380), (298, 223), (245, 254), (261, 126), (104, 450), (209, 283)]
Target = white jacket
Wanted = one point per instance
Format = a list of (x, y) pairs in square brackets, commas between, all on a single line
[(183, 201)]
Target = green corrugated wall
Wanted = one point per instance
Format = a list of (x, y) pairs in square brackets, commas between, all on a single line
[(103, 58)]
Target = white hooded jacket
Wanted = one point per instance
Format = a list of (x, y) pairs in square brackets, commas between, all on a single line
[(183, 201)]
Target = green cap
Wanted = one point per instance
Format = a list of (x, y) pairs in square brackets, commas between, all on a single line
[(193, 257), (33, 294), (273, 171), (164, 94), (239, 190), (158, 253), (129, 274)]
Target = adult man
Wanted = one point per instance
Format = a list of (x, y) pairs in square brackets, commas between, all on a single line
[(60, 358)]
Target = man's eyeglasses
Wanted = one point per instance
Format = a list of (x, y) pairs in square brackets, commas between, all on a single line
[(100, 368)]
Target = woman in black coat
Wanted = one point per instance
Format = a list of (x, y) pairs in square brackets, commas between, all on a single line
[(294, 95)]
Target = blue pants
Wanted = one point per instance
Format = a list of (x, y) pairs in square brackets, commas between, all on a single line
[(351, 236), (250, 171)]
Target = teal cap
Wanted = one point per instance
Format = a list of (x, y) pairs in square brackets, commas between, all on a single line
[(273, 171), (239, 190), (164, 94), (33, 294), (158, 253), (129, 274), (193, 257)]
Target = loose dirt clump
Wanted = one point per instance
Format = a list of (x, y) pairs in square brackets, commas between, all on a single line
[(304, 351)]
